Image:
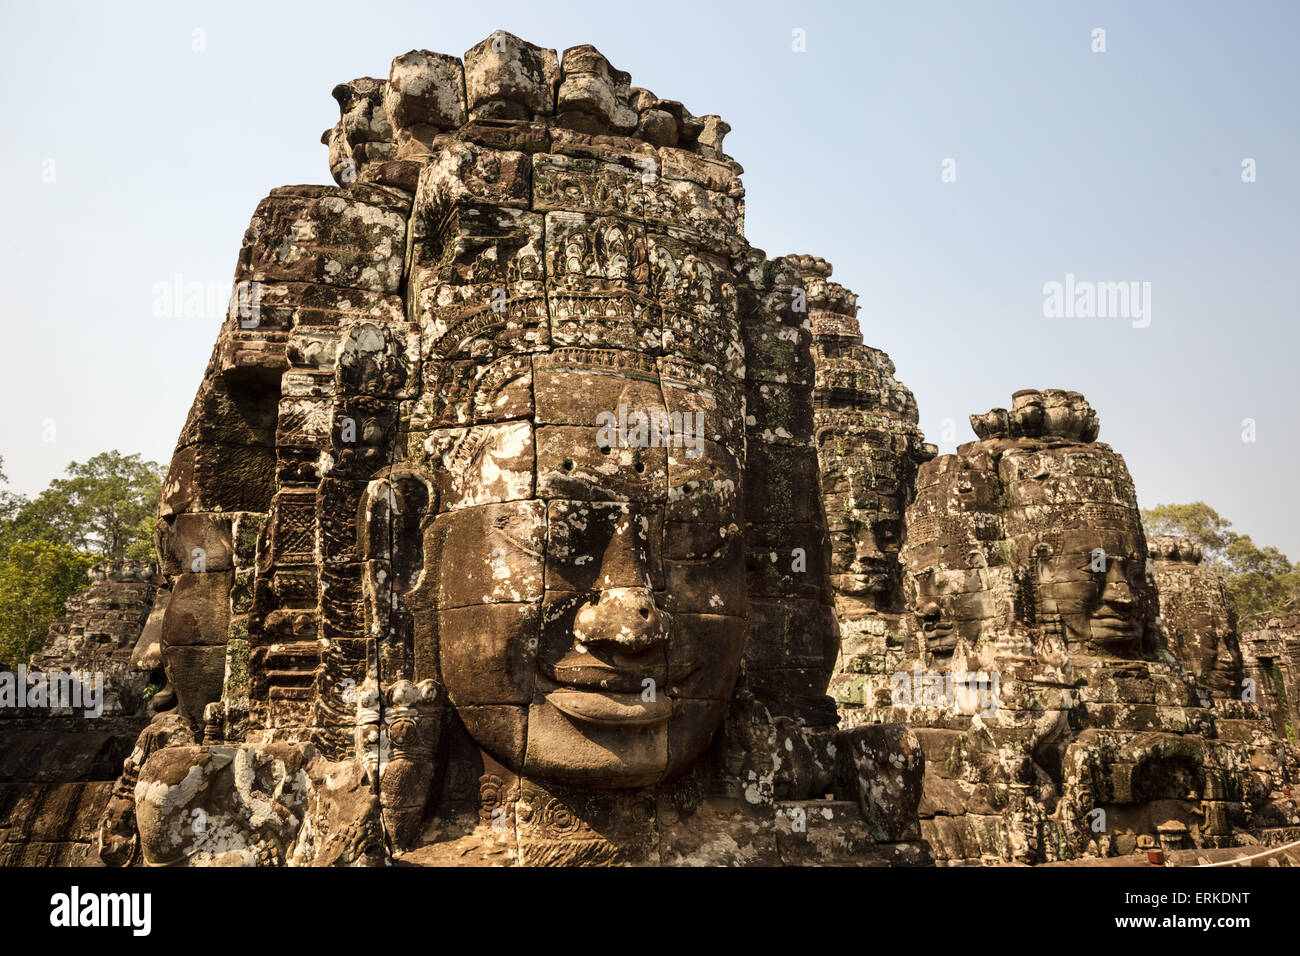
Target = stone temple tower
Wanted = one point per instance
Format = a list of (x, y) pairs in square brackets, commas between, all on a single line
[(494, 533), (869, 448), (1075, 689)]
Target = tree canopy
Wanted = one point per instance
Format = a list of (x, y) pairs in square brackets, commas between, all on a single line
[(1262, 580), (103, 508), (36, 578)]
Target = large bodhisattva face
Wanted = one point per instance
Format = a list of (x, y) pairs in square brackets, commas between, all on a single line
[(583, 638), (583, 599), (1092, 591)]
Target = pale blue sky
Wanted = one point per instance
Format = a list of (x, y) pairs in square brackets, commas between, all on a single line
[(1123, 165)]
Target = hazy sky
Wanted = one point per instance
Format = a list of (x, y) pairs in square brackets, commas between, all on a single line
[(1123, 165)]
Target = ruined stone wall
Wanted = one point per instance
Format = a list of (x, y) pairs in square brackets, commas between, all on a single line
[(99, 632), (1272, 660), (58, 764)]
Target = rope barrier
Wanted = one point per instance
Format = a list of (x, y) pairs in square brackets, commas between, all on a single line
[(1255, 856)]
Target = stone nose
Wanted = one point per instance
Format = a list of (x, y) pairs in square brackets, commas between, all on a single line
[(1117, 593), (867, 551), (626, 618)]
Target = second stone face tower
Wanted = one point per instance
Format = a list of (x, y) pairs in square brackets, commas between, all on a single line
[(1067, 707), (869, 447)]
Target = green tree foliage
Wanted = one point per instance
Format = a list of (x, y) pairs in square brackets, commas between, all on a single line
[(36, 578), (1197, 521), (10, 503), (1262, 581), (105, 505), (103, 508)]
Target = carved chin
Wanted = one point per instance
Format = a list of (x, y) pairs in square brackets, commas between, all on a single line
[(596, 741), (616, 750)]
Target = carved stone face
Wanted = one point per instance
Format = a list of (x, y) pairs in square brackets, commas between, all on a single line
[(1046, 533), (1197, 614), (585, 592), (1094, 606), (952, 603), (1078, 535), (1209, 647), (875, 555), (955, 590), (591, 598)]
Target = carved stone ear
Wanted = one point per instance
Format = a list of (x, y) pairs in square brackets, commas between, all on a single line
[(390, 543)]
